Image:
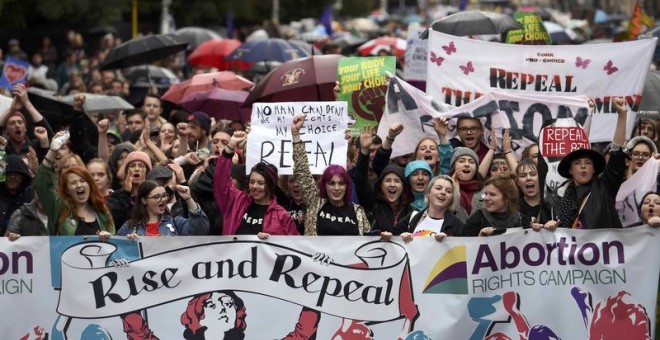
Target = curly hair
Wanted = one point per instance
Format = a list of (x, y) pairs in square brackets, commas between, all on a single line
[(194, 313)]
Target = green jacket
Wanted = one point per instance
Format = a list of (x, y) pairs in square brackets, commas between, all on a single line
[(44, 185)]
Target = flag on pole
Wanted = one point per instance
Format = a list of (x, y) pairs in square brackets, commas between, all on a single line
[(230, 24), (326, 19), (639, 19)]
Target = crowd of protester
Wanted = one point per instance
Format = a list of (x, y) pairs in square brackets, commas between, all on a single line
[(160, 171), (157, 171), (160, 184)]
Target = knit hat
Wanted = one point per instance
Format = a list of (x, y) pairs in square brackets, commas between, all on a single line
[(417, 165), (202, 119), (632, 143), (463, 151), (17, 113), (139, 156)]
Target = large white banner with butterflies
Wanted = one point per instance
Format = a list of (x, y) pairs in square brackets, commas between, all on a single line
[(461, 70)]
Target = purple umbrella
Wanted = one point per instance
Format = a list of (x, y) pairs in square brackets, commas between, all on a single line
[(218, 103)]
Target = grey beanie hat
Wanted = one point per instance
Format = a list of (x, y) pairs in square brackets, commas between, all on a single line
[(463, 151), (640, 139)]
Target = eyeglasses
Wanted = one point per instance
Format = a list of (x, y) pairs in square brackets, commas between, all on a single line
[(473, 129), (641, 155), (160, 197)]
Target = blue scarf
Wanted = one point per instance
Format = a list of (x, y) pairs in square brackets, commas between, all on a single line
[(418, 204)]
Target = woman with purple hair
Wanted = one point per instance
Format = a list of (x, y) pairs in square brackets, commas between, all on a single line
[(330, 210)]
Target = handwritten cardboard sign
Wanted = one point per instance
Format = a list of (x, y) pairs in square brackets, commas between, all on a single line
[(322, 133)]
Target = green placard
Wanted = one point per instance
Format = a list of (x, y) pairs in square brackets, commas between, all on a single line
[(364, 86), (533, 32)]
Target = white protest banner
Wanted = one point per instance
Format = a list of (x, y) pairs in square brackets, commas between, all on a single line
[(415, 66), (629, 196), (556, 141), (569, 284), (414, 109), (522, 115), (323, 134), (460, 70)]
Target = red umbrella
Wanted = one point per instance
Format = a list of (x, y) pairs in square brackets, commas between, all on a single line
[(212, 53), (205, 82), (396, 46), (218, 103), (304, 79)]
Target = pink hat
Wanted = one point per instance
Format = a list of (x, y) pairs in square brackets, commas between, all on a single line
[(139, 156)]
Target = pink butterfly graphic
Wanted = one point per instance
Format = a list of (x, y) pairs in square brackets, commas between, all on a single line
[(437, 59), (610, 68), (449, 49), (468, 68), (583, 63)]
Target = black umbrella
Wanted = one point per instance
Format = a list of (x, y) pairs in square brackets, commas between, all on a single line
[(142, 50), (46, 100), (57, 112), (268, 49), (474, 23), (101, 103)]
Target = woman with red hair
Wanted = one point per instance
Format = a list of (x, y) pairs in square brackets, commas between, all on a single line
[(216, 313), (77, 207), (330, 210)]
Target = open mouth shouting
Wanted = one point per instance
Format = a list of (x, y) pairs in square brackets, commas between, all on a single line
[(81, 195), (419, 185), (392, 194), (530, 189), (465, 174)]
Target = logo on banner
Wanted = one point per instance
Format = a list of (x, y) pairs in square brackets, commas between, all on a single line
[(617, 317), (449, 275), (15, 267)]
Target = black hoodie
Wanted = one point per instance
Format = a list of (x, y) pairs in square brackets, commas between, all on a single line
[(381, 214), (9, 202)]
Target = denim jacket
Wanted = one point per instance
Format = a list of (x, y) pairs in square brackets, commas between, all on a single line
[(197, 224)]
